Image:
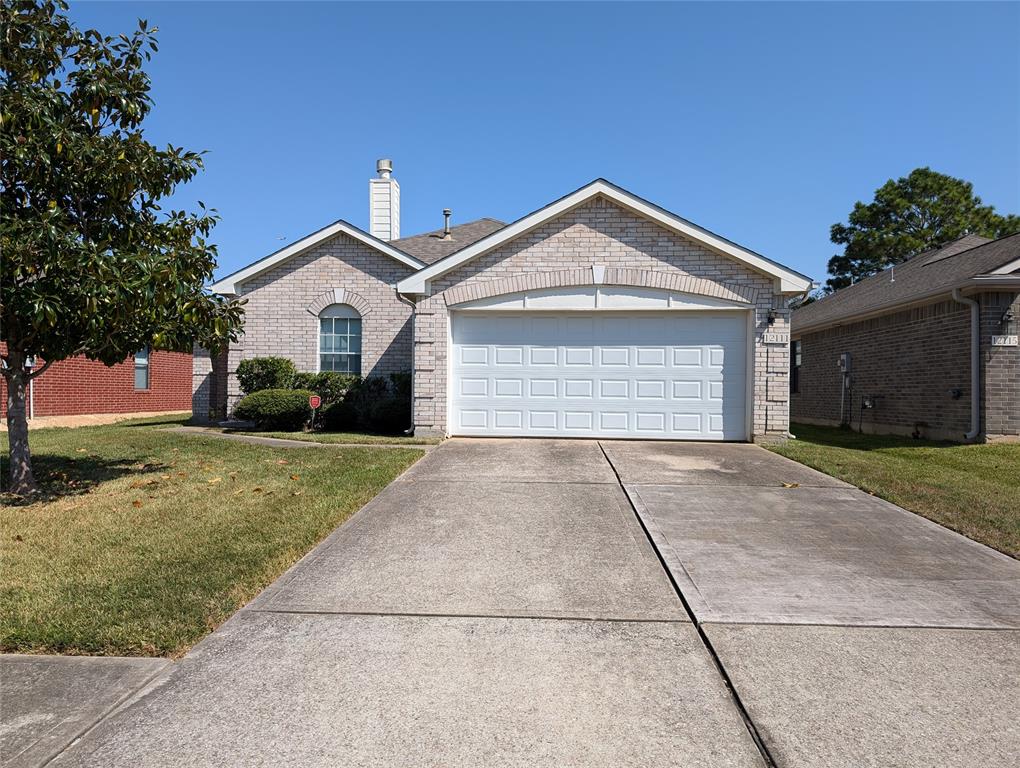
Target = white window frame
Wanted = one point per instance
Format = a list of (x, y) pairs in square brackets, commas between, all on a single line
[(141, 363), (342, 311)]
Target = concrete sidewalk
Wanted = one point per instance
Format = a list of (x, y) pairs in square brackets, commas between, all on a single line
[(48, 701)]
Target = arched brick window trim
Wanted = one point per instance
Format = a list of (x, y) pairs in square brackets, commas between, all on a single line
[(638, 278), (340, 296)]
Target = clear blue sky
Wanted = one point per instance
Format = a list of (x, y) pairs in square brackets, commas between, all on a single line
[(763, 121)]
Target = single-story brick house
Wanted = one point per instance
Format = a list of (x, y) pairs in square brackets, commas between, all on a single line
[(597, 315), (147, 382), (926, 348)]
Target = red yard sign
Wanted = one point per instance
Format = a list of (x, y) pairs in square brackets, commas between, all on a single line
[(314, 401)]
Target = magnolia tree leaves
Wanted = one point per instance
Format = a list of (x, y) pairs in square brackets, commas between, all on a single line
[(92, 263)]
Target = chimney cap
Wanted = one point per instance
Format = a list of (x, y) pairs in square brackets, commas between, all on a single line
[(384, 167)]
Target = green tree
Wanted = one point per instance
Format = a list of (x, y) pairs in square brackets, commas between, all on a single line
[(92, 265), (909, 216)]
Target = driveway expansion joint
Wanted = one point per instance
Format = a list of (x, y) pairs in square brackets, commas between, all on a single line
[(514, 616), (745, 716)]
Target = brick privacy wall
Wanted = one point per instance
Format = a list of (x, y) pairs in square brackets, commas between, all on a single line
[(1000, 402), (600, 232), (278, 321), (912, 359), (81, 386)]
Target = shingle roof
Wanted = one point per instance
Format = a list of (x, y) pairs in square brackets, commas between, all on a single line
[(430, 247), (927, 274)]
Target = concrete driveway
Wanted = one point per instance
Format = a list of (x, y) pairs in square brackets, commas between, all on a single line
[(855, 633), (499, 604), (502, 604)]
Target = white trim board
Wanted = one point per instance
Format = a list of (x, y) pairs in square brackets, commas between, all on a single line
[(605, 298), (789, 280), (228, 285)]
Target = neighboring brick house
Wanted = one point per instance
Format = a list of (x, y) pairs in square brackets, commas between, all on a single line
[(908, 334), (148, 382), (599, 315)]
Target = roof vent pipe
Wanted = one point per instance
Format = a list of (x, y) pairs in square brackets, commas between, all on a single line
[(975, 360), (446, 224)]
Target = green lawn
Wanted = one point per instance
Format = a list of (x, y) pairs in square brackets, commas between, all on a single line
[(341, 438), (973, 489), (147, 540)]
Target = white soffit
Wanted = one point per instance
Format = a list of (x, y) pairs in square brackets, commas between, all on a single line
[(789, 280), (228, 284)]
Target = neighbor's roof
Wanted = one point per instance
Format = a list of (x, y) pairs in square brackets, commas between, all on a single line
[(228, 284), (430, 247), (969, 260), (789, 280)]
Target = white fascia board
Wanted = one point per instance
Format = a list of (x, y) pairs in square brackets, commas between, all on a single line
[(228, 285), (1005, 269), (790, 281)]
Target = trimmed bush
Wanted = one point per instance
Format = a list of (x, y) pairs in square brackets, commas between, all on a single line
[(261, 373), (329, 385), (276, 409), (375, 404)]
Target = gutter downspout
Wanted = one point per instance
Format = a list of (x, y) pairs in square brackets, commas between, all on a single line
[(975, 361), (414, 308)]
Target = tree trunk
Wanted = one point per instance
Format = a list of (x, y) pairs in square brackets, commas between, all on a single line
[(22, 480)]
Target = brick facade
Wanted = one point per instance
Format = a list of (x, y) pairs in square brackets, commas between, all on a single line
[(916, 363), (281, 316), (1000, 390), (80, 386), (601, 233)]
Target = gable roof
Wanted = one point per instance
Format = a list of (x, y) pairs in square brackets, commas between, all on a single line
[(790, 281), (228, 285), (430, 247), (970, 259)]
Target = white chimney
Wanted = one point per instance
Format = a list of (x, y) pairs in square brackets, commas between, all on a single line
[(384, 203)]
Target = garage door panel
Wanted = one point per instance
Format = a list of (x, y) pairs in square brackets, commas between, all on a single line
[(504, 419), (471, 355), (473, 387), (544, 355), (578, 356), (509, 387), (594, 375), (614, 356)]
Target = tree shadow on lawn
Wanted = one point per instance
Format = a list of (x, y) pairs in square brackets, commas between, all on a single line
[(62, 476)]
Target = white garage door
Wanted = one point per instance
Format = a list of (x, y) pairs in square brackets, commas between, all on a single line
[(679, 375)]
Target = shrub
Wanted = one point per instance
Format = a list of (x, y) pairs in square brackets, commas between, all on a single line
[(261, 373), (375, 404), (283, 409), (329, 385)]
